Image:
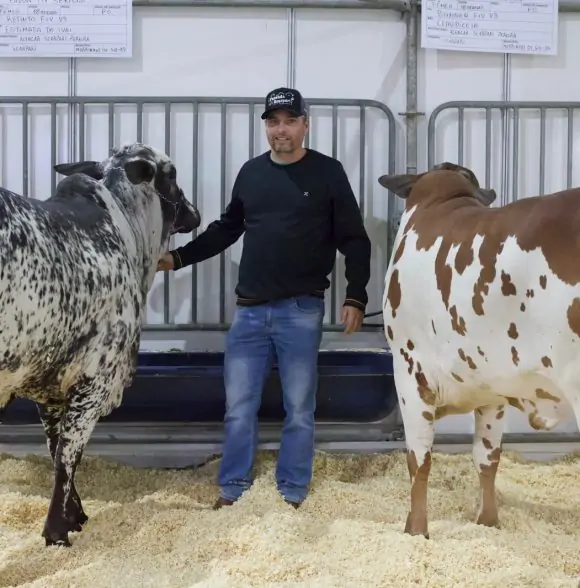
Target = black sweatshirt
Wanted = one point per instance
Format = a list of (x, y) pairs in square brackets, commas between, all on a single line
[(295, 216)]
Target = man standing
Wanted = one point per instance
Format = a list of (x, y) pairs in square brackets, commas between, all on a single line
[(296, 207)]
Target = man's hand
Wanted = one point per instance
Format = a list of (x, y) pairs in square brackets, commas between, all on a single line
[(165, 264), (351, 318)]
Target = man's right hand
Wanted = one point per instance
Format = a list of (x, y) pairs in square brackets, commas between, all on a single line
[(165, 263)]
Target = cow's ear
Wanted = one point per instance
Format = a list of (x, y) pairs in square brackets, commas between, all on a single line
[(400, 184), (94, 169), (486, 196), (140, 170)]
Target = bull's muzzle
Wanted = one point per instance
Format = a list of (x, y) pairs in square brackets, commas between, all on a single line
[(188, 218)]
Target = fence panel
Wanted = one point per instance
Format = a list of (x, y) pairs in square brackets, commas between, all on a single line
[(520, 149), (209, 138)]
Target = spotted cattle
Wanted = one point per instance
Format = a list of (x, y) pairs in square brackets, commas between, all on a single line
[(75, 272), (482, 311)]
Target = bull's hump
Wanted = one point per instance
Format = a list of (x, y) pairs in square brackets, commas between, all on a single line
[(79, 201), (79, 186)]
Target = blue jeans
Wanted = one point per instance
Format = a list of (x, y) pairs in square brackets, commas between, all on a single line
[(291, 329)]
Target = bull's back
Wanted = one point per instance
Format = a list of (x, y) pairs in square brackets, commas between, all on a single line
[(61, 287)]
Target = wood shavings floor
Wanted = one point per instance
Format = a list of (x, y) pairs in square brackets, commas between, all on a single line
[(154, 528)]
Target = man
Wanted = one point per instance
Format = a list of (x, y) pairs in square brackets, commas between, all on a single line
[(296, 208)]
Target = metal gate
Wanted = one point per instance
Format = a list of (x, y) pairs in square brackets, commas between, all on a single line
[(536, 138), (209, 138)]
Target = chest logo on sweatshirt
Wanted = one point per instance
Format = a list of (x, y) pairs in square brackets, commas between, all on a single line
[(307, 194)]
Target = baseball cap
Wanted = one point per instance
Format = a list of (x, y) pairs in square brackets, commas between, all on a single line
[(286, 99)]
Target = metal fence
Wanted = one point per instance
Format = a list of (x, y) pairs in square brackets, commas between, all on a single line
[(209, 138), (537, 144)]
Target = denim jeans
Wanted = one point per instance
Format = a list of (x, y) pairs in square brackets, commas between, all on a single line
[(291, 330)]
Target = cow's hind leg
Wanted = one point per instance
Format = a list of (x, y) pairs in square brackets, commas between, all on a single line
[(78, 422), (50, 417), (417, 404), (486, 454)]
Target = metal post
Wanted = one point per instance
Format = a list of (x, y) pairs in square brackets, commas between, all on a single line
[(400, 5), (563, 5), (411, 113), (72, 119), (505, 139), (291, 57)]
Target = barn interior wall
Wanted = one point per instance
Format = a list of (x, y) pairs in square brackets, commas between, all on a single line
[(339, 54)]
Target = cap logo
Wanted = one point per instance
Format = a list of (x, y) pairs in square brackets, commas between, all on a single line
[(281, 99)]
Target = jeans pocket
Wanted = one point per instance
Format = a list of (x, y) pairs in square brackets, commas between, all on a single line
[(309, 304)]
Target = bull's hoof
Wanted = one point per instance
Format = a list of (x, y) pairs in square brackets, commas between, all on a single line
[(56, 531), (416, 526), (79, 522)]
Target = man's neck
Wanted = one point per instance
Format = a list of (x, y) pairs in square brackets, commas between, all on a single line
[(286, 158)]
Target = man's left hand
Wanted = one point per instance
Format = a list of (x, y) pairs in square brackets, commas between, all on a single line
[(351, 318)]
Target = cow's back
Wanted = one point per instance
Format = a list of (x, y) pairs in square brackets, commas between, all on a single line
[(491, 304)]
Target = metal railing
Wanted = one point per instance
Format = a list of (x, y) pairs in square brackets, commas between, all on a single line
[(197, 132), (537, 144)]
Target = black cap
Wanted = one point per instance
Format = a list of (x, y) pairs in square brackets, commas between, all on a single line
[(286, 99)]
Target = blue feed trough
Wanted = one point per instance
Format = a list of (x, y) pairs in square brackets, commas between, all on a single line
[(354, 386)]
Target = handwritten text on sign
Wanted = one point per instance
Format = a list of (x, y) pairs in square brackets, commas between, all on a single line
[(65, 28), (500, 26)]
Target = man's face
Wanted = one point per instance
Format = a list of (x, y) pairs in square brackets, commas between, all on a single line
[(285, 131)]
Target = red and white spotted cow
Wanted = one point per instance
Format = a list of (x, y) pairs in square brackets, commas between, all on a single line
[(481, 310)]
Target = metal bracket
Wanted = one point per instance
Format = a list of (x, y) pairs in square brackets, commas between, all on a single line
[(411, 114)]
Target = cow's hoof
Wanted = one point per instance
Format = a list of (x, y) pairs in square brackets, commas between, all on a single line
[(416, 527), (488, 521), (417, 534), (61, 541)]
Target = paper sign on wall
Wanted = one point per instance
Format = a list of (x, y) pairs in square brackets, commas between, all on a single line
[(66, 28), (498, 26)]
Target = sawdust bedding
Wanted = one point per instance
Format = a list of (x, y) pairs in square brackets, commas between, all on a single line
[(155, 528)]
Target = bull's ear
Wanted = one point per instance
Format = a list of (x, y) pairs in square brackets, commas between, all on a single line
[(140, 170), (94, 169), (401, 184)]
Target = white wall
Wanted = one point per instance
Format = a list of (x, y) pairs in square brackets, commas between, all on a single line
[(243, 52)]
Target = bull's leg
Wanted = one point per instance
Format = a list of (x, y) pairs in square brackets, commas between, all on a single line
[(78, 422), (417, 404), (50, 417), (488, 432)]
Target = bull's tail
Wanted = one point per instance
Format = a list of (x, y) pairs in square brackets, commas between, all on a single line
[(3, 408)]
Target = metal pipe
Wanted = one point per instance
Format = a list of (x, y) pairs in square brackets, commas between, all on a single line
[(505, 138), (399, 5), (224, 326), (72, 121), (395, 205), (563, 5), (569, 6), (291, 57), (411, 121)]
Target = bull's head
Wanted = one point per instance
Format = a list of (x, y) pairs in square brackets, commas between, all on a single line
[(402, 184), (143, 164)]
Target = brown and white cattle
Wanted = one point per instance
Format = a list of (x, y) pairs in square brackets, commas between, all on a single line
[(481, 310)]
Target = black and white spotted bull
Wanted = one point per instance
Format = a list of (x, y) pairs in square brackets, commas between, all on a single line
[(75, 272)]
